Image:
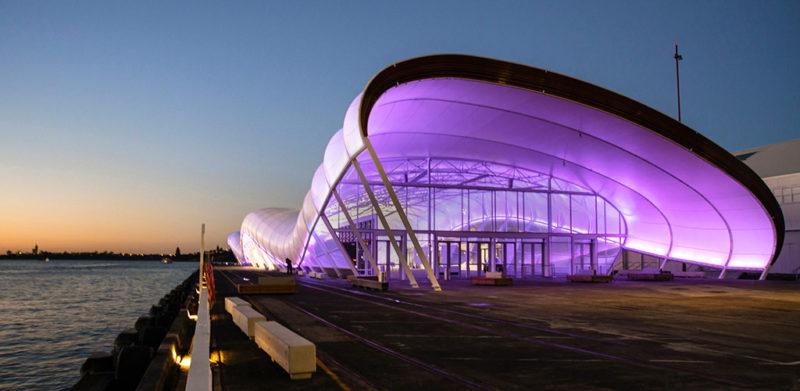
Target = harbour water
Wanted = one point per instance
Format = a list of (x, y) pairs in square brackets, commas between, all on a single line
[(54, 314)]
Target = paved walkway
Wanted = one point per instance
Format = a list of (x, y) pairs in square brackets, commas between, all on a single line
[(689, 334), (240, 364)]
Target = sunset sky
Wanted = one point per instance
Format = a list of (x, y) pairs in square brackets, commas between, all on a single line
[(126, 125)]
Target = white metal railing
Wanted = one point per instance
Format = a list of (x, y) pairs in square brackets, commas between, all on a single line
[(199, 378)]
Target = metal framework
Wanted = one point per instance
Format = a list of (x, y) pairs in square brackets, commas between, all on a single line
[(483, 151)]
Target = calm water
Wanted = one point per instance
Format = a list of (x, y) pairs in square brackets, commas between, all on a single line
[(53, 315)]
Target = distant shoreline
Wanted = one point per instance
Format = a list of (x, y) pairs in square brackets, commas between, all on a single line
[(214, 255), (75, 257)]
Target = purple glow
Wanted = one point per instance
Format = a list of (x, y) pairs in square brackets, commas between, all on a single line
[(235, 244), (663, 199), (667, 194)]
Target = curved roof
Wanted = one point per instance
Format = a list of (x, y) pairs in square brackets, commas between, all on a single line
[(681, 195), (272, 230), (235, 244)]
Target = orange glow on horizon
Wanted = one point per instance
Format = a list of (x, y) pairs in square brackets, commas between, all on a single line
[(98, 211)]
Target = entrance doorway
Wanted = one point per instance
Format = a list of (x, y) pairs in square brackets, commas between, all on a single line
[(447, 263), (505, 258), (387, 258), (533, 260), (583, 255), (477, 257)]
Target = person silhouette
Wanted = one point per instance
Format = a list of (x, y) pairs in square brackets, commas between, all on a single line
[(288, 266)]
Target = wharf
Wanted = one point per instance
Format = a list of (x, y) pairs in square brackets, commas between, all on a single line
[(237, 363), (695, 334)]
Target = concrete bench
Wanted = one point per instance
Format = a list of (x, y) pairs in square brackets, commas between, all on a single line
[(689, 274), (650, 275), (370, 283), (490, 281), (277, 281), (316, 275), (590, 276), (232, 302), (266, 285), (295, 354), (246, 318)]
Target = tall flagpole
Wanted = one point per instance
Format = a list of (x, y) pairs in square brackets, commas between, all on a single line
[(677, 58)]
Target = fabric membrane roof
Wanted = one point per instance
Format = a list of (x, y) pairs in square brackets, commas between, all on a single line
[(682, 196)]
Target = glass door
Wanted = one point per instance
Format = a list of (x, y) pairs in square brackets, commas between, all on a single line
[(582, 255), (448, 260), (505, 258), (477, 258), (532, 260)]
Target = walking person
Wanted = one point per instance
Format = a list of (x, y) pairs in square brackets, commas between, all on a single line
[(288, 266)]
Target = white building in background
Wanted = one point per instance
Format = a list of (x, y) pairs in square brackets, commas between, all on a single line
[(779, 166)]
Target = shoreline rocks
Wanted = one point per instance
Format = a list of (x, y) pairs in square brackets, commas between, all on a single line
[(144, 357)]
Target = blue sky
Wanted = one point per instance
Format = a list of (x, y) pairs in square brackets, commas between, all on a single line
[(126, 125)]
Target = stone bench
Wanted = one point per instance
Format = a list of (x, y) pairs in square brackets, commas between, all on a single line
[(295, 354), (246, 318), (689, 274), (266, 285), (590, 276), (316, 275), (277, 281), (369, 283), (490, 281), (232, 302), (650, 275)]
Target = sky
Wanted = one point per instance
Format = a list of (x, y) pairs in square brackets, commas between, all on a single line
[(125, 125)]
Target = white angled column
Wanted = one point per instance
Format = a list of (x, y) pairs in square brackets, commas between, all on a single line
[(386, 227), (400, 213), (336, 240)]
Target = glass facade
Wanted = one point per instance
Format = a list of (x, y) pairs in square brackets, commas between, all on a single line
[(538, 181), (469, 217)]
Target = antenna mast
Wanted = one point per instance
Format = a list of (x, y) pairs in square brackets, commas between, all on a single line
[(677, 58)]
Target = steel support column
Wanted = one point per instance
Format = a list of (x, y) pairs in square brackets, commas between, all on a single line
[(491, 252), (764, 274), (663, 263), (386, 227), (356, 233), (545, 266), (327, 255), (400, 212), (316, 264)]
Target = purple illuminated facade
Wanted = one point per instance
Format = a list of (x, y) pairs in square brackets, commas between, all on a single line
[(475, 163), (235, 244)]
